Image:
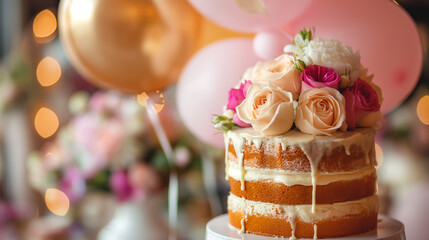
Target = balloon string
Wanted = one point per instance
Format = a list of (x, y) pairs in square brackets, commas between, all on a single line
[(173, 187), (286, 34), (209, 177)]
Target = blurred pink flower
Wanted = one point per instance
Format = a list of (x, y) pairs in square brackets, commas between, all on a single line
[(100, 138), (9, 212), (108, 139), (73, 184), (84, 128), (121, 187), (97, 102), (144, 178), (105, 102)]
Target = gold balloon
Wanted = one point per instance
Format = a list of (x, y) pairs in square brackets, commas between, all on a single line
[(211, 33), (131, 45)]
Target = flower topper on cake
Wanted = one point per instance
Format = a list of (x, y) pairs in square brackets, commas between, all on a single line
[(318, 86)]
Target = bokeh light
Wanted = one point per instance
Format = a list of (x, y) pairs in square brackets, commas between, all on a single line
[(156, 98), (57, 201), (46, 122), (423, 110), (378, 154), (44, 24), (48, 71)]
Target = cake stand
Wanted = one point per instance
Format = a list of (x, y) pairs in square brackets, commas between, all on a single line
[(387, 229)]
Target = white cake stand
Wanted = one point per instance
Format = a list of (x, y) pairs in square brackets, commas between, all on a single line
[(387, 229)]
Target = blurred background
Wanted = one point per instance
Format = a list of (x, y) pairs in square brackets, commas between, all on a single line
[(79, 148)]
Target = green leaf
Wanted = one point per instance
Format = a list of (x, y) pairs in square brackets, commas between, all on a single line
[(306, 34), (224, 123)]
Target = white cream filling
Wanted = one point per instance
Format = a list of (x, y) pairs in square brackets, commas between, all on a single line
[(303, 212), (290, 178)]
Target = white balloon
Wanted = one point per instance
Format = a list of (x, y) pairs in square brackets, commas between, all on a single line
[(269, 44)]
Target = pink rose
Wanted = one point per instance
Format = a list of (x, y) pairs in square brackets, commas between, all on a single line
[(361, 100), (238, 121), (236, 96), (315, 76), (321, 111)]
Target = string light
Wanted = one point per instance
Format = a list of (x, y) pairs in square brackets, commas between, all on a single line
[(44, 24), (423, 110), (57, 201), (46, 122), (48, 71)]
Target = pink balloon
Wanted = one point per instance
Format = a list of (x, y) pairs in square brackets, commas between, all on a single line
[(203, 86), (227, 14), (383, 32), (269, 44)]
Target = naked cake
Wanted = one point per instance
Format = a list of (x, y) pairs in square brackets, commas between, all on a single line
[(299, 139)]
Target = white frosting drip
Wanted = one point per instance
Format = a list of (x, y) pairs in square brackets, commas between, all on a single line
[(292, 222), (226, 138), (303, 212), (314, 147), (290, 178), (315, 232), (242, 229)]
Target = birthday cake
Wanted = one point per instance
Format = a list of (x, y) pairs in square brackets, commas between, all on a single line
[(299, 137)]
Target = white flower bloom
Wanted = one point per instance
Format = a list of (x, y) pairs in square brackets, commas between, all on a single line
[(228, 113), (299, 43), (328, 53)]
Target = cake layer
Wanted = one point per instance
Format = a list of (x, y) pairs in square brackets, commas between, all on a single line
[(363, 185), (329, 228), (299, 152), (329, 220)]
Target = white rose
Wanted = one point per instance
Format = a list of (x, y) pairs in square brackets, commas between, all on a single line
[(280, 71), (321, 111), (268, 108)]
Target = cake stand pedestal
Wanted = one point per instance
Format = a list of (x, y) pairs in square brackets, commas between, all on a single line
[(387, 229)]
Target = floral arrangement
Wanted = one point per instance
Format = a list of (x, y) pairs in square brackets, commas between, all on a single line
[(317, 86), (107, 146)]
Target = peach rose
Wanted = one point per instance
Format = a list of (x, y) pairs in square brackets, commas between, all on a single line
[(321, 111), (268, 108), (280, 71)]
